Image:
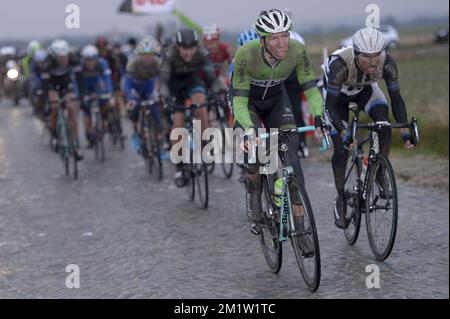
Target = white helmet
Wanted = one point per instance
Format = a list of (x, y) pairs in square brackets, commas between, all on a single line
[(89, 52), (148, 45), (273, 21), (211, 32), (368, 40), (33, 47), (59, 48), (40, 56), (8, 51)]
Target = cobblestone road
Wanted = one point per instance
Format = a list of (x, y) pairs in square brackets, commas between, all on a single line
[(133, 238)]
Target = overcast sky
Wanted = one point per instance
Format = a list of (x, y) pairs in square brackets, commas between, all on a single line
[(25, 19)]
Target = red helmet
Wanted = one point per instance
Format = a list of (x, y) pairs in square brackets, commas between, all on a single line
[(101, 42), (211, 33)]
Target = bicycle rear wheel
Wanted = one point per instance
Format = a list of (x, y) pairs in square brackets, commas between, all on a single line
[(155, 154), (201, 183), (353, 194), (268, 236), (381, 207), (309, 264), (190, 181)]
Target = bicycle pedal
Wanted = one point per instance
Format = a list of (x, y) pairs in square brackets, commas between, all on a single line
[(255, 230)]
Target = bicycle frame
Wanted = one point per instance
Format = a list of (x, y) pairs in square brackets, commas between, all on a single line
[(63, 127), (374, 142), (287, 172)]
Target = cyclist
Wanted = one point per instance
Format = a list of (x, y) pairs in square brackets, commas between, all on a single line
[(94, 77), (114, 63), (7, 53), (36, 77), (352, 75), (61, 83), (180, 72), (32, 48), (219, 53), (261, 66), (141, 83)]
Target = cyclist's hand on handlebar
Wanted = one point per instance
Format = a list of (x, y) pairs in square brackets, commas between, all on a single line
[(319, 123), (409, 146), (247, 145), (406, 136), (347, 138)]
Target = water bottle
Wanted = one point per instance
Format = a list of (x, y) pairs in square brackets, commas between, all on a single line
[(278, 190)]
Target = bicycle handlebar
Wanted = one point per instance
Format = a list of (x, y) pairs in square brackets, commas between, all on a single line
[(325, 140)]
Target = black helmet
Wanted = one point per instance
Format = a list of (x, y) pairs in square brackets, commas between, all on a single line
[(187, 38)]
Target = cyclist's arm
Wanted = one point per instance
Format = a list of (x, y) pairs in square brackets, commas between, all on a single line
[(241, 89), (307, 80), (337, 72), (390, 74)]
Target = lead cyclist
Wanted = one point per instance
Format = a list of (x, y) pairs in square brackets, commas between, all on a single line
[(259, 97)]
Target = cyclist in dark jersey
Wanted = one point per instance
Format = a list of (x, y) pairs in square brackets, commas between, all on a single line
[(60, 83), (180, 72), (352, 75)]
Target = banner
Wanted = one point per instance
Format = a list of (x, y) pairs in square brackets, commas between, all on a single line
[(152, 6)]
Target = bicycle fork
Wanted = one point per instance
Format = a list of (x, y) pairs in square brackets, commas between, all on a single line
[(286, 210)]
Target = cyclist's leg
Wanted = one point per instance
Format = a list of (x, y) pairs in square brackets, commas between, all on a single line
[(253, 178), (72, 106), (176, 90), (87, 121), (196, 91), (378, 109), (339, 162), (53, 97), (281, 116)]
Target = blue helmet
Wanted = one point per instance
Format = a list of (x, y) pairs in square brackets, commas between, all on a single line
[(246, 36)]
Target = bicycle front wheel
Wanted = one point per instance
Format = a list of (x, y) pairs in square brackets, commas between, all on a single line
[(381, 207), (308, 260), (201, 182), (154, 158), (190, 181), (352, 193), (268, 236)]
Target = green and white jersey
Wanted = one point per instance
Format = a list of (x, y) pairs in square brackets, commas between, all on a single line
[(255, 80)]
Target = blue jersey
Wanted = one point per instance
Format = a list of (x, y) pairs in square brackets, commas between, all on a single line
[(98, 80)]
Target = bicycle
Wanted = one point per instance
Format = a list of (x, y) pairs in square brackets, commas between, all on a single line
[(151, 147), (373, 190), (195, 174), (278, 221), (65, 141), (98, 123)]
